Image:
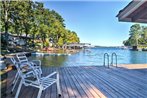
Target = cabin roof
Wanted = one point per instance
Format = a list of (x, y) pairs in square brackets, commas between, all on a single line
[(135, 11)]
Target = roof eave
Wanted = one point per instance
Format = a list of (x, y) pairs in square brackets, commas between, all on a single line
[(130, 8)]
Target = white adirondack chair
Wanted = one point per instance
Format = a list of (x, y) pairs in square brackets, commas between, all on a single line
[(21, 57), (32, 77), (26, 68)]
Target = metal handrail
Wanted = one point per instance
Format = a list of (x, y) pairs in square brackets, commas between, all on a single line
[(106, 55), (112, 56)]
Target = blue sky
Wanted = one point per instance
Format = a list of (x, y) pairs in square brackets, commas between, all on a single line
[(95, 22)]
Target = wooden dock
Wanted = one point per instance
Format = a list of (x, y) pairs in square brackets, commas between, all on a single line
[(91, 82)]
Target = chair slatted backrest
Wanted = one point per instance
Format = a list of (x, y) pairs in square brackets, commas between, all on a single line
[(24, 72), (21, 57), (17, 65), (23, 62), (13, 61), (32, 76)]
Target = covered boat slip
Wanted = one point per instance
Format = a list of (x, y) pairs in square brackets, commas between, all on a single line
[(90, 82)]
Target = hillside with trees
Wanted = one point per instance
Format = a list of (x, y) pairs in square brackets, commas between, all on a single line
[(137, 36), (45, 27)]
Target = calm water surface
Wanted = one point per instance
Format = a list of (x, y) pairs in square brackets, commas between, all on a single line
[(93, 57)]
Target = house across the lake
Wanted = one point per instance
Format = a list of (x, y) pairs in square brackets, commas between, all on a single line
[(16, 40)]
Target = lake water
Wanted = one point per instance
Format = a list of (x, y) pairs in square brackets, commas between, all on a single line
[(93, 56)]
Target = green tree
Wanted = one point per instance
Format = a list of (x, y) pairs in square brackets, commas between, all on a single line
[(60, 41), (143, 39), (135, 33), (138, 36), (72, 37), (43, 33), (32, 19), (5, 6)]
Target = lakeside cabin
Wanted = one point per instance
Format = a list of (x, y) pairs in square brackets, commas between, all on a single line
[(16, 39)]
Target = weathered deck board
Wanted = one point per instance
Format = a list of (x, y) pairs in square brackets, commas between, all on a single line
[(83, 84), (90, 86), (118, 86), (90, 82), (79, 89)]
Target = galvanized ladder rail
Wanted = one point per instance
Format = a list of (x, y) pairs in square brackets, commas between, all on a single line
[(106, 55), (113, 55)]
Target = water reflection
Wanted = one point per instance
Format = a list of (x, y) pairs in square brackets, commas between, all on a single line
[(52, 60), (93, 57)]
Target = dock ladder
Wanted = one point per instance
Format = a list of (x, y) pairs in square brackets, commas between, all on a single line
[(106, 56), (113, 56)]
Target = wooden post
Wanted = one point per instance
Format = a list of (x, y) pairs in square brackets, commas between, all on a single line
[(58, 84)]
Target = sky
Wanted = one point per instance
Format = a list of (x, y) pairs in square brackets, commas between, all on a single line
[(94, 22)]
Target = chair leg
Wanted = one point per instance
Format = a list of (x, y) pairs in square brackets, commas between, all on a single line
[(15, 78), (39, 93), (18, 90), (58, 85)]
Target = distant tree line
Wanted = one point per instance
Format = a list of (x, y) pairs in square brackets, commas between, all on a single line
[(36, 21), (138, 36)]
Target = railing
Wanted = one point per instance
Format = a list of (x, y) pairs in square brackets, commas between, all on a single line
[(106, 55), (112, 58)]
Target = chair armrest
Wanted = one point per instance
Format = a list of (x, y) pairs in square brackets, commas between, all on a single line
[(29, 73), (25, 65), (27, 68), (50, 75)]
